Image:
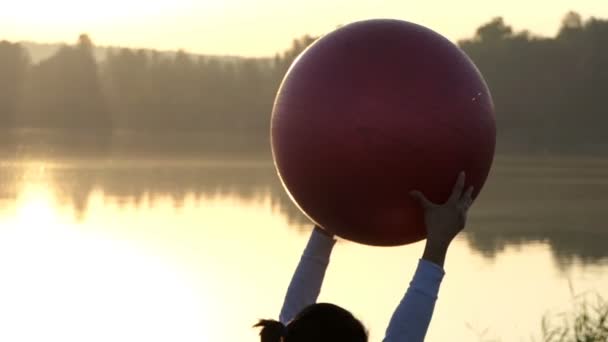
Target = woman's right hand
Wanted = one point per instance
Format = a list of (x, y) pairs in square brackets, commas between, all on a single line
[(444, 221)]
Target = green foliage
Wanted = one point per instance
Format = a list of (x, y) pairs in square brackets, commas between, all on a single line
[(587, 322)]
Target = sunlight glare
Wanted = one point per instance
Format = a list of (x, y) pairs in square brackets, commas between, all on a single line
[(61, 283), (69, 12), (35, 208)]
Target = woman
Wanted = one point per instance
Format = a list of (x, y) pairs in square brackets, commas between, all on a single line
[(303, 320)]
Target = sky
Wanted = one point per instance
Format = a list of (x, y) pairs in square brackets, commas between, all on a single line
[(261, 27)]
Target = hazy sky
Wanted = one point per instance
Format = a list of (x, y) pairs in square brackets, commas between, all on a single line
[(261, 27)]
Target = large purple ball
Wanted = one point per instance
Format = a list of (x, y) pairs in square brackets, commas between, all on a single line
[(374, 110)]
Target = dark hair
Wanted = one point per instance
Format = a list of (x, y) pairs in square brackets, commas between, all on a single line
[(321, 322)]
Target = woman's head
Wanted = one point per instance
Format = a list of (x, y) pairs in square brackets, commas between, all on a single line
[(319, 323)]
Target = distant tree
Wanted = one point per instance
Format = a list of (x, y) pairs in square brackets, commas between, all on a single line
[(14, 63), (572, 21), (64, 93), (297, 47), (495, 30), (547, 91), (126, 77)]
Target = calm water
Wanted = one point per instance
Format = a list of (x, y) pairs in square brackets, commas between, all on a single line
[(151, 250)]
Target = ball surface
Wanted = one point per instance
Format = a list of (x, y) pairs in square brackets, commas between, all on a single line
[(368, 113)]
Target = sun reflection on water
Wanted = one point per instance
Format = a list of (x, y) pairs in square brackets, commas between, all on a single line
[(36, 207), (63, 282)]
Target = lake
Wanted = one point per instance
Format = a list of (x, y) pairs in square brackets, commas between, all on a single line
[(198, 250)]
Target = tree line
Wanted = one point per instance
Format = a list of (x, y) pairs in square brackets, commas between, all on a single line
[(548, 94)]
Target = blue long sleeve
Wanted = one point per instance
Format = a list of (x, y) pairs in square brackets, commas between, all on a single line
[(411, 319), (307, 279)]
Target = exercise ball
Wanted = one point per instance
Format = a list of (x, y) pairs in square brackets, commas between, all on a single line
[(368, 113)]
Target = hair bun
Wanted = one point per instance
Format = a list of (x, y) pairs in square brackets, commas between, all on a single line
[(272, 330)]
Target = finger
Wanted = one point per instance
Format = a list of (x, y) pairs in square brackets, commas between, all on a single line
[(468, 195), (464, 206), (424, 202), (466, 201), (458, 187)]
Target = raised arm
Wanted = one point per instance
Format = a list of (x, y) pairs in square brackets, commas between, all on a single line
[(411, 319), (308, 277)]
